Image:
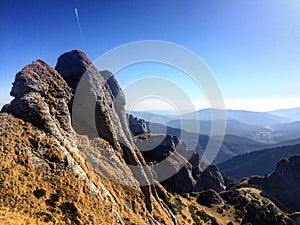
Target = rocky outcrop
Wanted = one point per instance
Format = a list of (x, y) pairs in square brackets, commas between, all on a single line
[(209, 197), (183, 165), (41, 97), (93, 108), (95, 173), (289, 171), (283, 185), (98, 110), (137, 126), (46, 98), (47, 180), (210, 178), (73, 65), (155, 148)]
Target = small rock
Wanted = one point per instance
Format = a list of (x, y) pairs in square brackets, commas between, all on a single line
[(209, 197)]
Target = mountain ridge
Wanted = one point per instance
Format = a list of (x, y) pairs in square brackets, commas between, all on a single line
[(259, 162), (63, 169), (279, 130), (229, 148), (292, 113)]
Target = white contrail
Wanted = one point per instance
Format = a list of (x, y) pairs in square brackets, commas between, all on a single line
[(77, 17)]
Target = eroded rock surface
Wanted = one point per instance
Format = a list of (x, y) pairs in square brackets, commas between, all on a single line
[(45, 98), (41, 98)]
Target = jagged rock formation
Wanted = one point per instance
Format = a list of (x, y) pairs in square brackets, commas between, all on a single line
[(188, 176), (137, 126), (283, 185), (41, 97), (184, 181), (100, 101), (44, 97), (58, 167)]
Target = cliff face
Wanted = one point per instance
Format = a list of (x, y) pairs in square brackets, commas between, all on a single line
[(98, 110), (47, 148), (98, 106)]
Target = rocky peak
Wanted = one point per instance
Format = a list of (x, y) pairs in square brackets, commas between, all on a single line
[(42, 78), (44, 97), (98, 110), (41, 97), (283, 185), (72, 65), (289, 171)]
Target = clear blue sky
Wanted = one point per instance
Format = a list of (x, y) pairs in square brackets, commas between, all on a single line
[(251, 46)]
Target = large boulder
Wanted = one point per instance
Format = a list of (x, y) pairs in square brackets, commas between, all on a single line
[(209, 197), (210, 178)]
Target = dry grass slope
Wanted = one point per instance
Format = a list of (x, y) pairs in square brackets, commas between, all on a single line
[(48, 194)]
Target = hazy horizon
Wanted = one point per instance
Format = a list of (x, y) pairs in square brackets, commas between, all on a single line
[(152, 109)]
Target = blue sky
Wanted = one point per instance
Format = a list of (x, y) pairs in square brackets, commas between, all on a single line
[(251, 46)]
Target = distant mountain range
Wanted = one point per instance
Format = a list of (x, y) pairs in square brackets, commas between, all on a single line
[(258, 126), (149, 116), (285, 131), (258, 162), (292, 114), (232, 145), (233, 127), (242, 116)]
